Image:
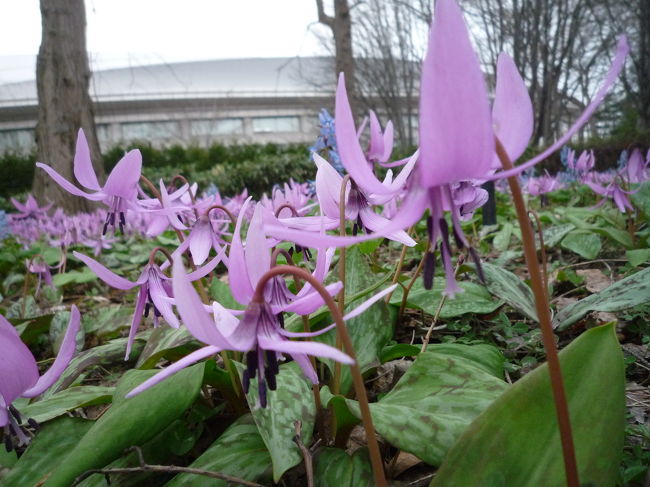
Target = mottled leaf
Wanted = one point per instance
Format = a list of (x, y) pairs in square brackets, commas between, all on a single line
[(67, 400), (474, 299), (170, 343), (292, 401), (335, 468), (501, 239), (370, 331), (432, 404), (553, 235), (239, 451), (626, 293), (586, 245), (513, 290), (516, 440)]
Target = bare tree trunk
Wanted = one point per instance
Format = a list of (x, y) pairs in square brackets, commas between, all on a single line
[(341, 25), (62, 77)]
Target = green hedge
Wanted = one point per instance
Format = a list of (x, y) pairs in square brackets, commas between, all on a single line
[(232, 168)]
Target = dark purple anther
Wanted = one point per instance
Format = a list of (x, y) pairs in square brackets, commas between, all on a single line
[(429, 269)]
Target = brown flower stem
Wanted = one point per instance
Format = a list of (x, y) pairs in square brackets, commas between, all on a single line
[(360, 390), (307, 328), (153, 253), (288, 206), (544, 317), (542, 248), (336, 382), (184, 180), (400, 265), (233, 220)]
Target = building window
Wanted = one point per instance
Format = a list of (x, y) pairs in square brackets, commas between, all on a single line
[(219, 126), (276, 124), (21, 140), (150, 130), (103, 134)]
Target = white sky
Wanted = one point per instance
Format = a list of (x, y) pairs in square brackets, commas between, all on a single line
[(136, 32)]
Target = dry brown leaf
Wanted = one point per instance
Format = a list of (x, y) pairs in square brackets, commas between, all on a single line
[(595, 280), (403, 462)]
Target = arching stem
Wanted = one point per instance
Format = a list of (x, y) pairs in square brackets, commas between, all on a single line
[(357, 378), (544, 317)]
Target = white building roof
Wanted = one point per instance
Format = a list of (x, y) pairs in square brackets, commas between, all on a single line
[(226, 78)]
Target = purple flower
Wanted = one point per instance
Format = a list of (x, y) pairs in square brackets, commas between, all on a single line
[(19, 376), (538, 186), (38, 266), (154, 291), (614, 192), (30, 209), (636, 169), (120, 187), (259, 333), (248, 263), (380, 145)]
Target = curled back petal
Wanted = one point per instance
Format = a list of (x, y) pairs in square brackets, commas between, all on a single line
[(62, 360), (83, 166)]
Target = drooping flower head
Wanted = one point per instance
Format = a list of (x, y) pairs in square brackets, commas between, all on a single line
[(119, 190), (19, 376)]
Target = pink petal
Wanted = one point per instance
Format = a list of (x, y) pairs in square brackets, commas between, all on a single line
[(377, 223), (209, 267), (18, 370), (308, 348), (189, 306), (512, 113), (328, 187), (106, 275), (83, 166), (200, 241), (257, 255), (456, 137), (68, 186), (140, 303), (240, 283), (352, 156), (307, 368), (68, 346), (186, 361), (622, 50), (311, 302), (125, 175)]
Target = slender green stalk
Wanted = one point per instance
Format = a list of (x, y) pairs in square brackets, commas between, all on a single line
[(544, 317), (400, 265), (357, 378)]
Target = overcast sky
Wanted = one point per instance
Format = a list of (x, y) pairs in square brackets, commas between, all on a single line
[(136, 32)]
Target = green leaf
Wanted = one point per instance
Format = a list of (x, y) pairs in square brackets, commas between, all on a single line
[(399, 350), (46, 451), (474, 299), (32, 329), (130, 422), (292, 401), (626, 293), (502, 237), (509, 287), (516, 440), (371, 330), (67, 400), (108, 353), (586, 245), (335, 468), (482, 355), (641, 199), (239, 451), (107, 320), (220, 292), (74, 277), (638, 257), (167, 342), (553, 235), (432, 404)]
